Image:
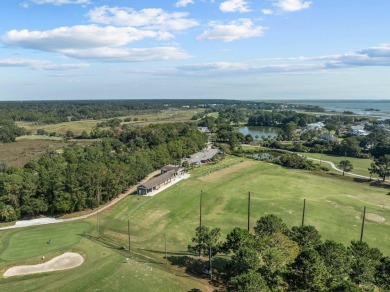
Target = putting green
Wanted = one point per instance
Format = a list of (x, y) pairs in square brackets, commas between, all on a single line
[(37, 241)]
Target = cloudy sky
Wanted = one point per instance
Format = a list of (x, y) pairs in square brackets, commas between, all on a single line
[(232, 49)]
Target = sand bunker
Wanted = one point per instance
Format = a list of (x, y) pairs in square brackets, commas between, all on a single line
[(374, 217), (68, 260)]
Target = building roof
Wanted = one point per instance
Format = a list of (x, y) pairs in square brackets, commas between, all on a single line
[(154, 181), (170, 167)]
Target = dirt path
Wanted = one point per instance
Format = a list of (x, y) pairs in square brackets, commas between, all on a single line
[(68, 260), (53, 220)]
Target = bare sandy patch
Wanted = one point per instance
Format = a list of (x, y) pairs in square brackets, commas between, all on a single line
[(68, 260), (217, 175), (375, 217)]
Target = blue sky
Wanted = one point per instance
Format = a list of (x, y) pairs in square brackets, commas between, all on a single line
[(230, 49)]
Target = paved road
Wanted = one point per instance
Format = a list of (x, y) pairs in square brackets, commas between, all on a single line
[(108, 205)]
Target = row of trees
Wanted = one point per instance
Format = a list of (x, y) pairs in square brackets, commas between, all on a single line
[(276, 258), (279, 118), (51, 112), (84, 176)]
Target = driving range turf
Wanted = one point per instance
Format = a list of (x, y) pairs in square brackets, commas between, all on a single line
[(334, 205)]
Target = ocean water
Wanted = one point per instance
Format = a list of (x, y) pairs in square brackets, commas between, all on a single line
[(360, 107)]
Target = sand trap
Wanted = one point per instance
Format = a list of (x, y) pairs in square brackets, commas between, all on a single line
[(68, 260), (374, 217)]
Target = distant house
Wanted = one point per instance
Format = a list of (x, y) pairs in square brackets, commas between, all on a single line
[(359, 130), (326, 137), (168, 173), (315, 126), (204, 129)]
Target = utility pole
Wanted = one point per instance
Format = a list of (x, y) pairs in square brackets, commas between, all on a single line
[(303, 212), (97, 212), (364, 218), (200, 209), (249, 209), (128, 232), (200, 219), (97, 221), (165, 241), (210, 265)]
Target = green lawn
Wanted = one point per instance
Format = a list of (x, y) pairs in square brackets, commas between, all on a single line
[(334, 205), (104, 268), (33, 242), (360, 166)]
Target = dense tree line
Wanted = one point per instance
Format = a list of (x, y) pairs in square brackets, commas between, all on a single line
[(276, 258), (84, 176), (279, 118), (51, 112)]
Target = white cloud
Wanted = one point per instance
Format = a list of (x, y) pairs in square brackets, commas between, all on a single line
[(184, 3), (106, 44), (241, 28), (151, 18), (245, 68), (374, 56), (40, 64), (292, 5), (234, 6), (60, 2), (381, 51), (128, 54), (267, 11), (79, 36)]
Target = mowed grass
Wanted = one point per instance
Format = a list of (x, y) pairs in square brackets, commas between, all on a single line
[(360, 165), (36, 241), (334, 205), (104, 268)]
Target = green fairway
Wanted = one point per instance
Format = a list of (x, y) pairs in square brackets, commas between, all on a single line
[(105, 267), (334, 205), (360, 165), (37, 241)]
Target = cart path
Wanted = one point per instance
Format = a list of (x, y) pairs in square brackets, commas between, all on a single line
[(332, 165)]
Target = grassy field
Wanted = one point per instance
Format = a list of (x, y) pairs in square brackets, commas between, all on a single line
[(104, 269), (360, 166), (334, 205), (31, 147), (77, 127), (22, 151)]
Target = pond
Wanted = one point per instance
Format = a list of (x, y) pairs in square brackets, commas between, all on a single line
[(259, 131)]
